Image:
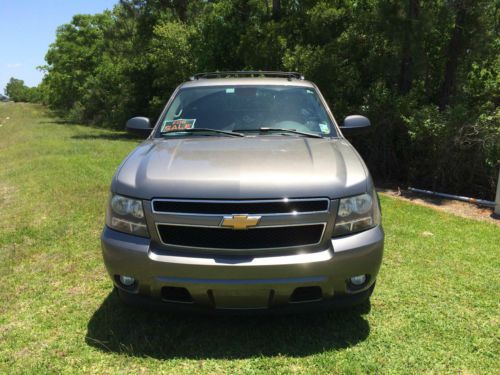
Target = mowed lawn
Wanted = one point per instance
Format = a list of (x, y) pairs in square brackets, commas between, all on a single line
[(435, 308)]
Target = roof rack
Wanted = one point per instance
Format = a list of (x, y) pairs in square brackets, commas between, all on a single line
[(248, 73)]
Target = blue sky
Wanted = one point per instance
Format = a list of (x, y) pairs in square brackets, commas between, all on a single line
[(28, 27)]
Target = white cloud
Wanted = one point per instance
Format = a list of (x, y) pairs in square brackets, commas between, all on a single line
[(14, 66)]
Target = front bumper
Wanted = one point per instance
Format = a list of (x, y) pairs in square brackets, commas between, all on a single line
[(232, 282)]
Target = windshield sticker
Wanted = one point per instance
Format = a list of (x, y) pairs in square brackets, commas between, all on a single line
[(177, 125), (325, 129), (230, 91)]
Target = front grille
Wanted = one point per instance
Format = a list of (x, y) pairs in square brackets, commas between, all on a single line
[(240, 207), (255, 238)]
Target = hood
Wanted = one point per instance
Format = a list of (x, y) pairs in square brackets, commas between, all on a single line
[(241, 168)]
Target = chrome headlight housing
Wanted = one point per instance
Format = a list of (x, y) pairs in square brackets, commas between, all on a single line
[(357, 213), (126, 215)]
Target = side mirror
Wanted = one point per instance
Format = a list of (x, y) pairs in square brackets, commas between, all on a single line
[(355, 124), (139, 126)]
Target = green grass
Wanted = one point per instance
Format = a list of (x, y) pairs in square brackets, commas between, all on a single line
[(435, 308)]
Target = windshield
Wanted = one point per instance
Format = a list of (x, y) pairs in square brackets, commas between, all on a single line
[(246, 109)]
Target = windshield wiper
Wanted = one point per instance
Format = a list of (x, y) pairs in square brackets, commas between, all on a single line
[(205, 130), (280, 130)]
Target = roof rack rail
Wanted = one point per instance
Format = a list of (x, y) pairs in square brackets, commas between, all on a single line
[(248, 73)]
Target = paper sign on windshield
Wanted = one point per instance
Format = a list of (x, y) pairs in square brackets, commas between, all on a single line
[(178, 125), (325, 129)]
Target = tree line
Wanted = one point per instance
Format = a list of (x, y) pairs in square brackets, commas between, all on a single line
[(424, 72), (19, 92)]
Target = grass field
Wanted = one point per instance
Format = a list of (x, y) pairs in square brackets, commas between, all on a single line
[(435, 308)]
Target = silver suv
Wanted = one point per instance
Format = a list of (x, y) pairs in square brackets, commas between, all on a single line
[(245, 195)]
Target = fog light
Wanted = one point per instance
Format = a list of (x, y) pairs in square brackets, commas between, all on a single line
[(358, 280), (127, 280)]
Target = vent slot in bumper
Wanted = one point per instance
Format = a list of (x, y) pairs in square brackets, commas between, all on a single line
[(306, 294), (176, 294)]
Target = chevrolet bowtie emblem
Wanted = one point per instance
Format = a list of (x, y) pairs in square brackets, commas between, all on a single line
[(240, 222)]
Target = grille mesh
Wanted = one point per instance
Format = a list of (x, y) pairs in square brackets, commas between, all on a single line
[(255, 238)]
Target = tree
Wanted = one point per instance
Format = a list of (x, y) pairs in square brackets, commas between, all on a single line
[(405, 74), (17, 91), (276, 12), (74, 57), (456, 47)]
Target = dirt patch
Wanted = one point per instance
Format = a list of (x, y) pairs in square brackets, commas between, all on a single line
[(3, 120), (7, 194), (451, 206)]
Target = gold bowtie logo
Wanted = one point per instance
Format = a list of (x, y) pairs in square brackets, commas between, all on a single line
[(240, 222)]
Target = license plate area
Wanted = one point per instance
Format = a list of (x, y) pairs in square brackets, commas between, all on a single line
[(241, 298)]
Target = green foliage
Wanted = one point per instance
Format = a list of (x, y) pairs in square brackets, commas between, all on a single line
[(426, 73), (73, 60), (171, 60), (16, 90), (19, 92)]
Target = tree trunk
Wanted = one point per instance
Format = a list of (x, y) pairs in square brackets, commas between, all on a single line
[(406, 68), (276, 10), (455, 50), (180, 7)]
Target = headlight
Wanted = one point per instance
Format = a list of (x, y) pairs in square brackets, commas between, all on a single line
[(126, 215), (356, 214)]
